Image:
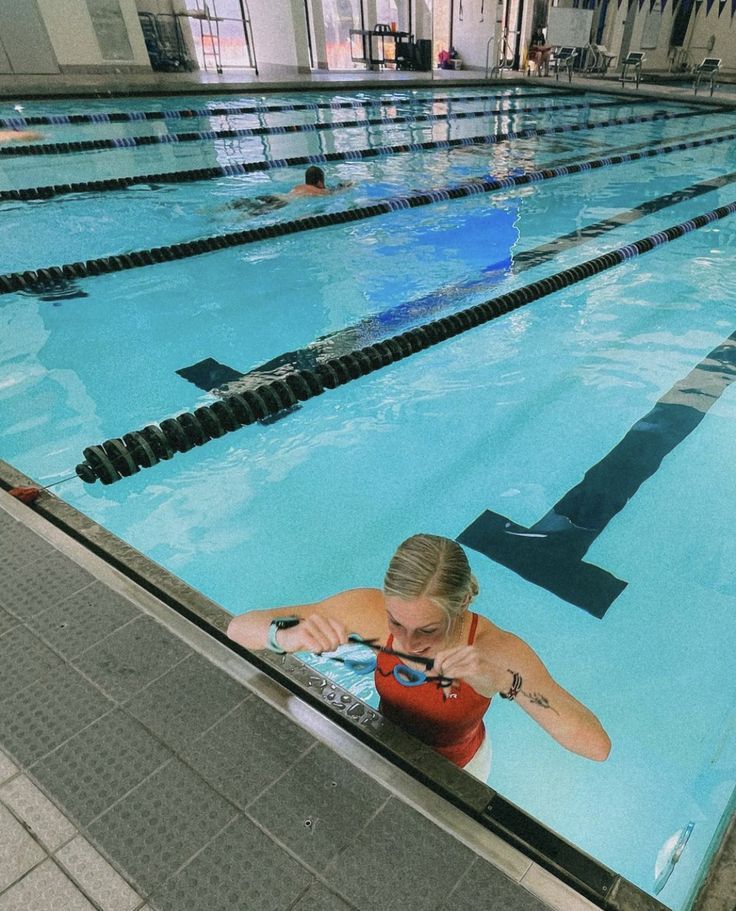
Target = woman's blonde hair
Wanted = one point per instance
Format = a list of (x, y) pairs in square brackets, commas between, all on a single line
[(434, 567)]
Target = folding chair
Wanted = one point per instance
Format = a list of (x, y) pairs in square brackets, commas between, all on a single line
[(563, 58), (603, 59), (634, 60), (708, 69)]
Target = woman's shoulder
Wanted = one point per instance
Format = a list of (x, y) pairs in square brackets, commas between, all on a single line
[(362, 609), (501, 641)]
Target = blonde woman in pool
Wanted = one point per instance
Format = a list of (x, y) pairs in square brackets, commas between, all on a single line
[(437, 663)]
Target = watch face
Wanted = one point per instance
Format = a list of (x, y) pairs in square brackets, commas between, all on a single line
[(285, 622)]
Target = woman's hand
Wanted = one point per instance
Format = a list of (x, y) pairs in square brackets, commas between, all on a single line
[(473, 665), (315, 633)]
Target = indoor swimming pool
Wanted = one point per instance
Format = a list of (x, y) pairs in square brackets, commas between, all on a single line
[(579, 440)]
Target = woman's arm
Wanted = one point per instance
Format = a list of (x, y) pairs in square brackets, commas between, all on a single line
[(500, 662), (322, 627), (566, 719)]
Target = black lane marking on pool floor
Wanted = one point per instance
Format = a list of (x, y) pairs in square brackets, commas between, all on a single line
[(135, 142), (213, 376), (122, 457), (17, 281), (550, 552), (21, 123)]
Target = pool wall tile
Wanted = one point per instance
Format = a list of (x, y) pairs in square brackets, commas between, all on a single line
[(241, 867), (161, 824), (45, 889), (132, 657), (18, 851), (82, 620), (92, 771), (96, 877), (317, 808), (45, 714), (38, 814), (211, 693)]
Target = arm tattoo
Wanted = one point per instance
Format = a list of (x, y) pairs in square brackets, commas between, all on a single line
[(539, 699), (516, 687)]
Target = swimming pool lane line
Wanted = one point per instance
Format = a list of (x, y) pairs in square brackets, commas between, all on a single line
[(218, 379), (22, 123), (49, 276), (124, 456), (231, 170), (135, 142)]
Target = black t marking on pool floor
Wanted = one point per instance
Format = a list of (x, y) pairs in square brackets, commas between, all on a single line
[(550, 553)]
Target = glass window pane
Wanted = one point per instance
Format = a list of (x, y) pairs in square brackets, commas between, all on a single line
[(340, 17)]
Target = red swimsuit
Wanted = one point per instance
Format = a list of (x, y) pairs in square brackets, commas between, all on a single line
[(453, 727)]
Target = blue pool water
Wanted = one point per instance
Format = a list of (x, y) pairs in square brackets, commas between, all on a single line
[(508, 417)]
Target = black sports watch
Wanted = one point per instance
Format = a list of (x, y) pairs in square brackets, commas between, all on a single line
[(276, 624)]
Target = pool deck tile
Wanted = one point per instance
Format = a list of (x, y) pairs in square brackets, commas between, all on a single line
[(161, 824), (318, 808), (32, 586), (399, 860), (241, 860), (81, 620), (41, 717), (99, 766), (8, 769), (96, 877), (132, 657), (19, 852), (44, 821), (211, 693), (45, 889), (247, 751)]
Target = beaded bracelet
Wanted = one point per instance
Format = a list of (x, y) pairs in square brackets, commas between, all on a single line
[(515, 687)]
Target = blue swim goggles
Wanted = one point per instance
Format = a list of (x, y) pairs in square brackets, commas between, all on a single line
[(402, 673)]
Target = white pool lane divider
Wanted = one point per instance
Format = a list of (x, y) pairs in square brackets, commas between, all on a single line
[(673, 418), (54, 276)]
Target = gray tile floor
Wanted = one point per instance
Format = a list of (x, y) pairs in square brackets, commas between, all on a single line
[(136, 772)]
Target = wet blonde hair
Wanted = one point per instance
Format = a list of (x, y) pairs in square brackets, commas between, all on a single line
[(434, 567)]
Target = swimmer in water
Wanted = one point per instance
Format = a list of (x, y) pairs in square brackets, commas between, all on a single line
[(314, 185), (19, 135)]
